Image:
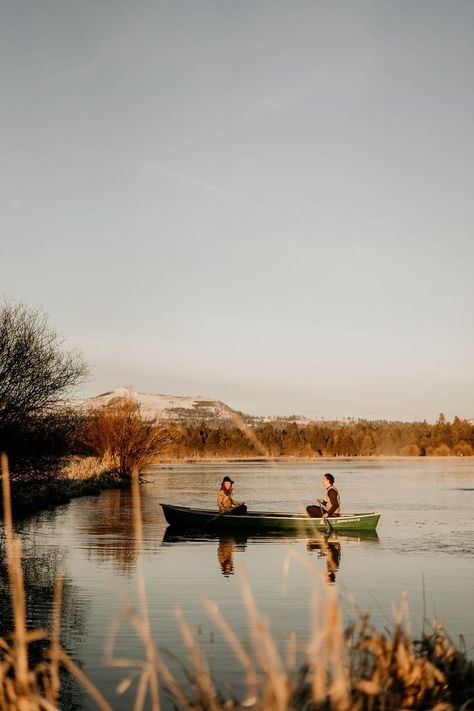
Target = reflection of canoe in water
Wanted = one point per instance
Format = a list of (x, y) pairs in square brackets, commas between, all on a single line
[(241, 538), (184, 517)]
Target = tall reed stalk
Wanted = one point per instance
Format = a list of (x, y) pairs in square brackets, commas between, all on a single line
[(23, 686)]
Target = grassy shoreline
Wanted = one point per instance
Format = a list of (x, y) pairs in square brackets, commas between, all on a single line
[(80, 476)]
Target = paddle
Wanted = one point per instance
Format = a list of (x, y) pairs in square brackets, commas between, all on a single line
[(211, 520), (326, 520), (214, 519)]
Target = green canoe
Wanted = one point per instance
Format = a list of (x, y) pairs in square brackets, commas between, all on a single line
[(186, 518)]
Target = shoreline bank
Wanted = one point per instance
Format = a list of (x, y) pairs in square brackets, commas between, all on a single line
[(82, 476)]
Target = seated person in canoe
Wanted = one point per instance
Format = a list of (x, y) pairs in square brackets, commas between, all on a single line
[(330, 507), (225, 502)]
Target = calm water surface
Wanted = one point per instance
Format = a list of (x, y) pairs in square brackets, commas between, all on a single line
[(425, 538)]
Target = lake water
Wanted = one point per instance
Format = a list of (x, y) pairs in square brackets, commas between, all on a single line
[(425, 547)]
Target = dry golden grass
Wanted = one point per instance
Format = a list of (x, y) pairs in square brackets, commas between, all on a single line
[(354, 668), (85, 468)]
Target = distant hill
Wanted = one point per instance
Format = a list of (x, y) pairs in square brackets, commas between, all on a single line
[(172, 408), (183, 409)]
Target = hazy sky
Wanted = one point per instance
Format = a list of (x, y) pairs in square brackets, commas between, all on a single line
[(269, 203)]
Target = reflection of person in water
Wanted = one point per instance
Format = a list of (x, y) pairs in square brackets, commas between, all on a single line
[(224, 555), (332, 552), (225, 551)]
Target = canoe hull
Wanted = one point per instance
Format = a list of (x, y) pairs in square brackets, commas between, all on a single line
[(205, 519)]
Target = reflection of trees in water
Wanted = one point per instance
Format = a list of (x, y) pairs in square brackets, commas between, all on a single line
[(331, 551), (107, 521), (41, 568)]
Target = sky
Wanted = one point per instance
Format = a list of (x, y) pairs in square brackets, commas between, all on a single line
[(267, 203)]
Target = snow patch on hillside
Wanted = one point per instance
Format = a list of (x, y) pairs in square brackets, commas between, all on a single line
[(164, 407)]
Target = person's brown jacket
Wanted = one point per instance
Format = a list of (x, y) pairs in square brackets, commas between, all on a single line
[(225, 502)]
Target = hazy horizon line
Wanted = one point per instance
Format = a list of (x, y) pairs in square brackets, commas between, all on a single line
[(292, 415)]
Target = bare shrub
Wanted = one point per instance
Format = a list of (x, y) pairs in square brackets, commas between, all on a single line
[(442, 451), (120, 432), (36, 373)]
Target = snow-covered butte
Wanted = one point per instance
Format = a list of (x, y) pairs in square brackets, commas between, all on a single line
[(186, 409), (173, 408)]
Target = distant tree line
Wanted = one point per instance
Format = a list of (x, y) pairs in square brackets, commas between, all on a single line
[(360, 438)]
